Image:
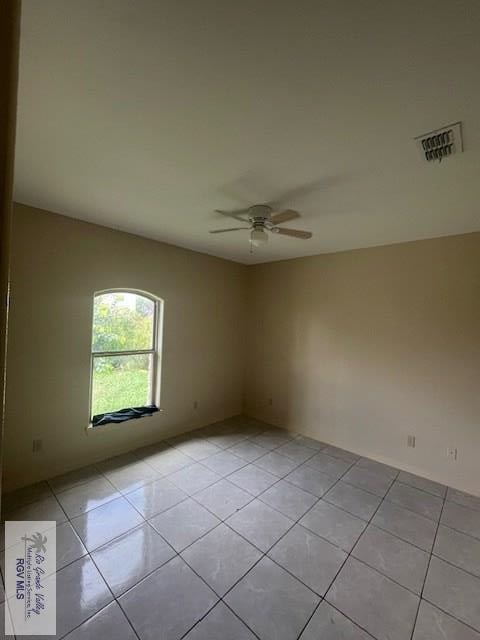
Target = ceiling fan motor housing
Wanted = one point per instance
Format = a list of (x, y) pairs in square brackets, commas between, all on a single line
[(259, 214)]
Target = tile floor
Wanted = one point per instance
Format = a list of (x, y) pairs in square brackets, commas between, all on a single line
[(240, 531)]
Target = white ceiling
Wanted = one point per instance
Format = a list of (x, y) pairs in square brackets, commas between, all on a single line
[(145, 115)]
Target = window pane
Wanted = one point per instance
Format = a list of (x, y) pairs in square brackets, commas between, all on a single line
[(122, 322), (120, 382)]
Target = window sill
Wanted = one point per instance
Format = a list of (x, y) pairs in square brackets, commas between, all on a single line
[(118, 423)]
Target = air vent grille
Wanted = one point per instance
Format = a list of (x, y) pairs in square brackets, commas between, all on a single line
[(441, 143)]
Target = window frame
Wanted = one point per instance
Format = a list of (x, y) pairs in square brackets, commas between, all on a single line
[(157, 333)]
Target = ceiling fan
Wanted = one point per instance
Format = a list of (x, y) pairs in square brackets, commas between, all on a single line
[(261, 218)]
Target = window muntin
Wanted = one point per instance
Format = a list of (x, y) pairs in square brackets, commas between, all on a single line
[(124, 351)]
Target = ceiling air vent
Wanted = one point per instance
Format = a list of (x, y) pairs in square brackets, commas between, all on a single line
[(441, 143)]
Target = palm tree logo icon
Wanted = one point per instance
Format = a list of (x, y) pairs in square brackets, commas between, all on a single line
[(38, 542)]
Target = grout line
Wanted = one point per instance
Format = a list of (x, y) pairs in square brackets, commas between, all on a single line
[(450, 615), (264, 554), (428, 567), (346, 559), (294, 523)]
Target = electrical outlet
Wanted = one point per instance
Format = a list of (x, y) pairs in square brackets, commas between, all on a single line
[(195, 404), (452, 453), (37, 445), (411, 441)]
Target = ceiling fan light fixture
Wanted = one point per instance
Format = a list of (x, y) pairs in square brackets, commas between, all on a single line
[(258, 237)]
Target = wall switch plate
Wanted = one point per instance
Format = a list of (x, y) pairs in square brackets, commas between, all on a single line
[(270, 401), (411, 441), (37, 445), (195, 404)]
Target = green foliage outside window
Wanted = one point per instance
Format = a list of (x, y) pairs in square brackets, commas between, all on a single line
[(121, 322)]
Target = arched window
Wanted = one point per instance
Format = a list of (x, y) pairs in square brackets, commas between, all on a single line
[(125, 356)]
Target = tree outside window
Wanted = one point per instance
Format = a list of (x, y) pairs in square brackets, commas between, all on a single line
[(124, 351)]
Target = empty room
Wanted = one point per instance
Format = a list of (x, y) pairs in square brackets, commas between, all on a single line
[(240, 318)]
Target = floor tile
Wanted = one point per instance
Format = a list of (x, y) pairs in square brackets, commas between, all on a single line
[(220, 624), (465, 499), (116, 463), (461, 518), (356, 501), (406, 524), (81, 592), (221, 558), (5, 611), (377, 483), (129, 558), (296, 451), (172, 599), (194, 478), (416, 500), (253, 479), (213, 429), (375, 603), (314, 561), (270, 441), (224, 463), (21, 497), (73, 478), (69, 545), (184, 523), (99, 526), (168, 461), (376, 588), (260, 524), (305, 441), (155, 497), (429, 486), (110, 622), (223, 498), (329, 624), (433, 624), (188, 437), (453, 591), (310, 480), (132, 477), (333, 524), (377, 467), (150, 451), (393, 557), (199, 449), (342, 454), (288, 499), (226, 440), (277, 464), (273, 603), (87, 496), (459, 549), (333, 467), (45, 509), (248, 450)]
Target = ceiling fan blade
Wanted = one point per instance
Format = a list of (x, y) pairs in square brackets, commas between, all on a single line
[(295, 233), (234, 214), (225, 230), (283, 216)]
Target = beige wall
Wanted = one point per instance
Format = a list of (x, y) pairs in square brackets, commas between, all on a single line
[(57, 265), (364, 347), (359, 348)]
